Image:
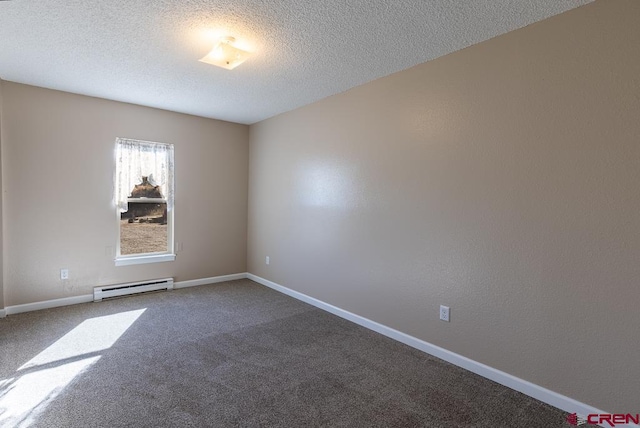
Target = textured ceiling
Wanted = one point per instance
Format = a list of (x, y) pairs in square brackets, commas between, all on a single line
[(146, 52)]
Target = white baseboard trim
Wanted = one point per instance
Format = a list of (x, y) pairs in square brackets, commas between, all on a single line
[(48, 304), (86, 298), (212, 280), (532, 390)]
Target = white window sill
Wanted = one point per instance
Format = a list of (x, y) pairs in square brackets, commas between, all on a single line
[(139, 260)]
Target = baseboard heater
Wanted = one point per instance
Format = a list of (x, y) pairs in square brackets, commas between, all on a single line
[(117, 290)]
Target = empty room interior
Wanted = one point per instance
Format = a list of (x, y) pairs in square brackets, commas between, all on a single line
[(292, 213)]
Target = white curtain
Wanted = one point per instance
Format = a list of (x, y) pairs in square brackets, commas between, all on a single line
[(136, 159)]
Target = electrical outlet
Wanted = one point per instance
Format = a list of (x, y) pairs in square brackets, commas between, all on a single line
[(64, 273), (266, 260), (444, 313)]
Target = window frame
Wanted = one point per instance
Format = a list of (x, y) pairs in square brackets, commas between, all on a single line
[(143, 258)]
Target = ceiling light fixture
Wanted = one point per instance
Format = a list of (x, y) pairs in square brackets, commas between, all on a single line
[(224, 54)]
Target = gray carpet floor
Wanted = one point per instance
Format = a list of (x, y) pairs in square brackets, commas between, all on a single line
[(234, 354)]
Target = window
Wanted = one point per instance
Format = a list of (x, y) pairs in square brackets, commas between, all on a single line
[(144, 201)]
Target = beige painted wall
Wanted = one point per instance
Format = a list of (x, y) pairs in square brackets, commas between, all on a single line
[(501, 180), (58, 159)]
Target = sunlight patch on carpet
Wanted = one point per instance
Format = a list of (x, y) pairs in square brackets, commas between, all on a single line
[(41, 379), (92, 335)]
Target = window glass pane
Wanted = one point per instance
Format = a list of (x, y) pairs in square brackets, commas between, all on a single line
[(143, 228)]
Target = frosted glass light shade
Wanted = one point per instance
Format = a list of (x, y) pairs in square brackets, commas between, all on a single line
[(225, 55)]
